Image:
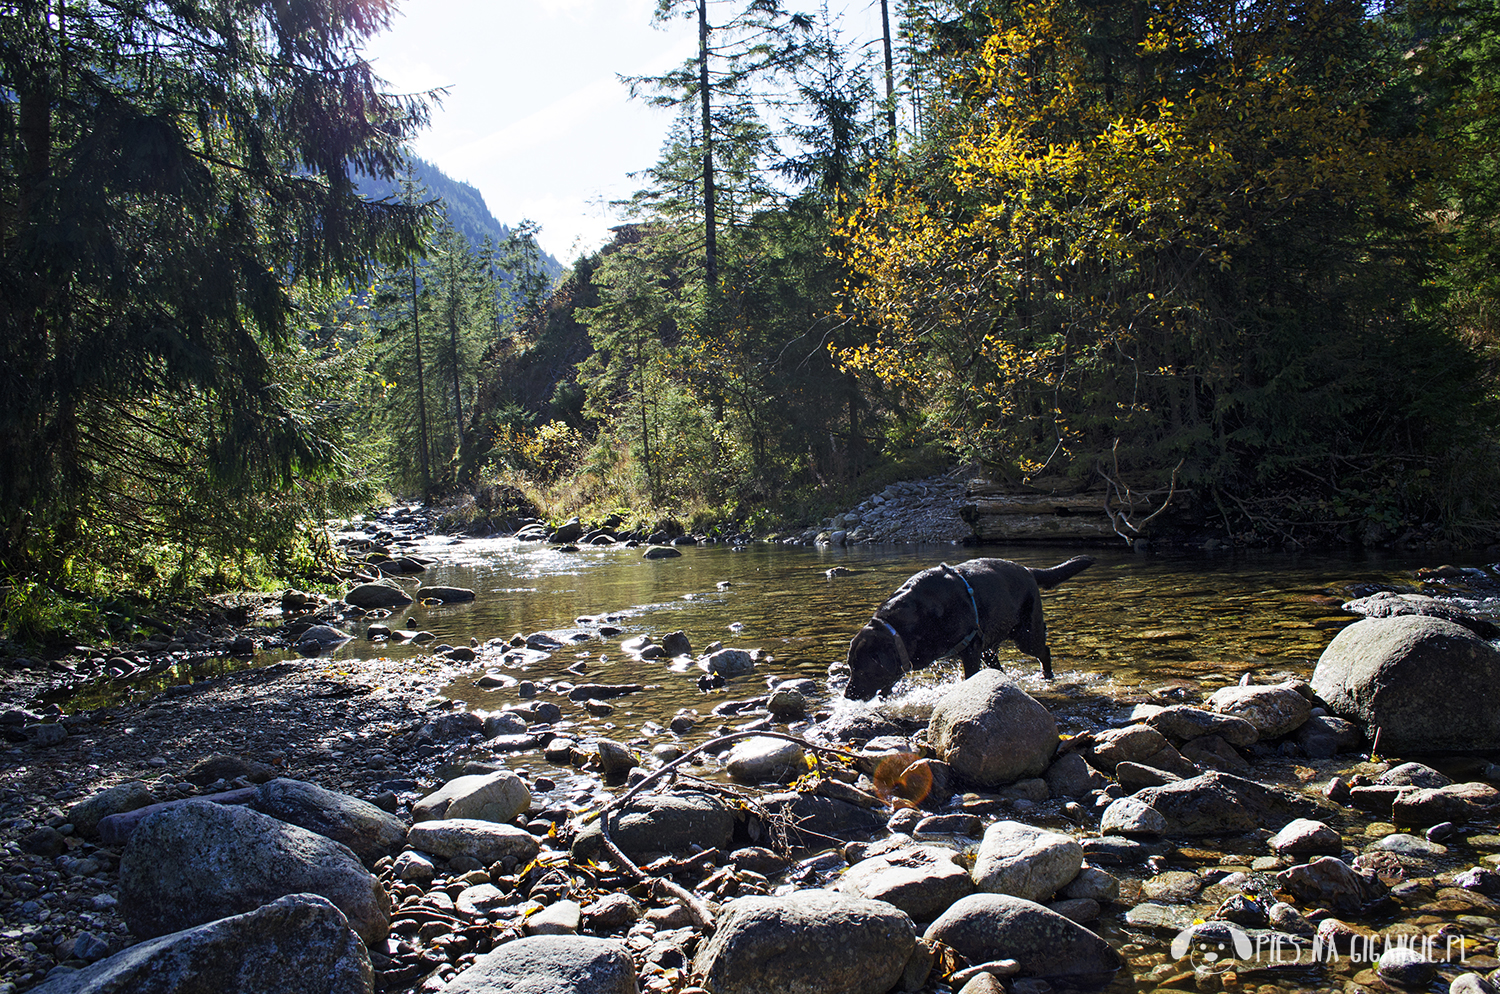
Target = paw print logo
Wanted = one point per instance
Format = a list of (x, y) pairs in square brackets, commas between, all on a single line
[(1212, 946)]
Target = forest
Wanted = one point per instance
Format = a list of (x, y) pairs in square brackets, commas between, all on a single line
[(1241, 251)]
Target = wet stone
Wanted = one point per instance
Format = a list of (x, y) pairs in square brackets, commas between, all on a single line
[(1172, 887)]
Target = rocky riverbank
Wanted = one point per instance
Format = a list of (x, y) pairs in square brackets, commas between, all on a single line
[(321, 819), (909, 852)]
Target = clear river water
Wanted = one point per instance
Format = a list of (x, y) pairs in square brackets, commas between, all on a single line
[(1128, 621)]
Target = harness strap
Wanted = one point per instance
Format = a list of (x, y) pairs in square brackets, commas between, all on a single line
[(973, 603)]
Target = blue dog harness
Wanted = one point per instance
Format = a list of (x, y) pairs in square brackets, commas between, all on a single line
[(906, 665)]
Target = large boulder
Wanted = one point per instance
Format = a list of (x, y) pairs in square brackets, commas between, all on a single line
[(808, 942), (1023, 861), (986, 927), (377, 595), (991, 732), (298, 944), (1426, 684), (201, 861), (1220, 804), (550, 964), (370, 832)]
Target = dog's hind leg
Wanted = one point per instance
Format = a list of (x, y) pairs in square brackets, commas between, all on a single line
[(1031, 637)]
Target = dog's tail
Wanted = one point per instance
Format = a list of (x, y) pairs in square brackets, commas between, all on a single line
[(1052, 576)]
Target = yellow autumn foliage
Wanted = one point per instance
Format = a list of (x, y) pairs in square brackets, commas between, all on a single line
[(1148, 229)]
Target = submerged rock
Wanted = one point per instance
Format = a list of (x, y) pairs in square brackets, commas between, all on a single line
[(448, 595)]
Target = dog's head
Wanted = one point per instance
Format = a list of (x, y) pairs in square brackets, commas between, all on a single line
[(874, 663)]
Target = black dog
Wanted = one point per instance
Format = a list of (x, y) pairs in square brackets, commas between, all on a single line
[(963, 611)]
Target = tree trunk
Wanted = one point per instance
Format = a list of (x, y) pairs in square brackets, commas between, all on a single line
[(710, 233), (416, 332), (458, 403), (890, 77)]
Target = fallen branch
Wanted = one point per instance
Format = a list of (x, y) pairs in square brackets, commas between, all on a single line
[(702, 917)]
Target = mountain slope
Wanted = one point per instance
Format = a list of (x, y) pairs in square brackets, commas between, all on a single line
[(465, 206)]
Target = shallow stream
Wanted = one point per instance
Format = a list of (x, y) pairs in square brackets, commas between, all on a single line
[(1128, 621)]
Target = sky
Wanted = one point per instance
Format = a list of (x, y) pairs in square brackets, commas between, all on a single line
[(536, 117)]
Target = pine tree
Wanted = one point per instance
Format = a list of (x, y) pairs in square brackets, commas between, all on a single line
[(167, 172), (752, 42)]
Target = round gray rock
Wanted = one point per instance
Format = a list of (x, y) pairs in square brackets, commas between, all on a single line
[(1023, 861), (128, 796), (985, 927), (370, 832), (764, 759), (550, 964), (1274, 711), (199, 861), (486, 841), (1305, 837), (920, 880), (1426, 683), (498, 796), (1220, 804), (664, 823), (1132, 816), (808, 942), (991, 732), (375, 595)]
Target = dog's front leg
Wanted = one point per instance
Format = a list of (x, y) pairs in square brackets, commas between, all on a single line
[(973, 657)]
